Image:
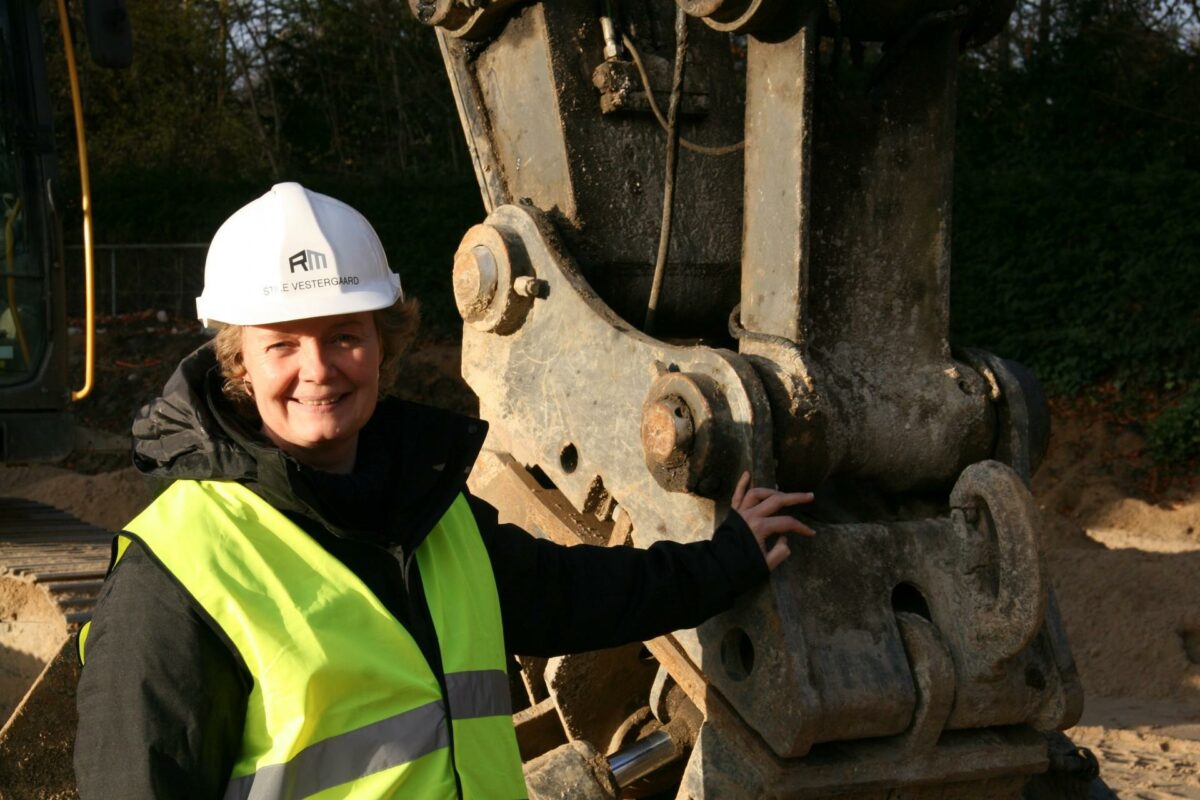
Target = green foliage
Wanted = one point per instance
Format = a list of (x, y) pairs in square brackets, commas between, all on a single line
[(352, 87), (1083, 275), (176, 106), (1174, 436), (1076, 244), (224, 99)]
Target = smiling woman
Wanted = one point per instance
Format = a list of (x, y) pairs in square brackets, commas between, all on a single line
[(333, 609), (315, 383), (396, 325), (330, 368)]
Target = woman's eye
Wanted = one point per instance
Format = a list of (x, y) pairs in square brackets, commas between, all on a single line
[(346, 339)]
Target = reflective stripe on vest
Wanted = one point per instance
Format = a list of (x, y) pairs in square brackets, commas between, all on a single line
[(343, 704)]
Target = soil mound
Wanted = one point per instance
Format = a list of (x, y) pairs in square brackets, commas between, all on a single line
[(31, 632), (107, 500)]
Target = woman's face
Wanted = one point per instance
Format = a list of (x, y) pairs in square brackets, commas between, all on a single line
[(315, 383)]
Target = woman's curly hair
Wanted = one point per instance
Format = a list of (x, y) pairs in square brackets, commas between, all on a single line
[(397, 325)]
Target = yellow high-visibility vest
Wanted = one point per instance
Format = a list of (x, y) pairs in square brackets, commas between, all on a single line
[(344, 705)]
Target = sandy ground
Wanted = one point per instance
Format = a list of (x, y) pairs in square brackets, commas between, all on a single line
[(1124, 564), (1126, 571)]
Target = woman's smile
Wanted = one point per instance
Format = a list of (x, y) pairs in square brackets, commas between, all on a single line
[(315, 383)]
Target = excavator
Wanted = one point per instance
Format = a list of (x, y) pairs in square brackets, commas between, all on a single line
[(51, 564), (717, 240)]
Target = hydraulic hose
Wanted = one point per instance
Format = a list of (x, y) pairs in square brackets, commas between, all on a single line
[(89, 282), (664, 235)]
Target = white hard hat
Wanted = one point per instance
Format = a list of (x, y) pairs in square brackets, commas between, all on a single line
[(294, 254)]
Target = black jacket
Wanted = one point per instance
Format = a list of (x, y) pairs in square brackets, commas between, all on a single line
[(162, 697)]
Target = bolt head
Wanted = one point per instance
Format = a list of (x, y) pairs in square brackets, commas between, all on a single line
[(475, 281), (528, 286), (667, 431)]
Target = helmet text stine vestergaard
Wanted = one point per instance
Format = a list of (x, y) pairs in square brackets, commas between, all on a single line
[(314, 283)]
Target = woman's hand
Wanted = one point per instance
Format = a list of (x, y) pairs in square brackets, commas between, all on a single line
[(760, 507)]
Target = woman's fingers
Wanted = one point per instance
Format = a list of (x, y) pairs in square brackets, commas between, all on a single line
[(784, 524), (777, 554), (739, 493), (771, 505), (757, 495), (760, 507), (764, 502)]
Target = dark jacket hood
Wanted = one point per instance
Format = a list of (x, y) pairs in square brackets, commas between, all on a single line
[(190, 431), (412, 461)]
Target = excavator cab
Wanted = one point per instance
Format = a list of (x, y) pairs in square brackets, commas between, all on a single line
[(35, 423), (35, 390)]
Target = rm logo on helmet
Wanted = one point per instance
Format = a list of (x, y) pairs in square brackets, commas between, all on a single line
[(307, 260)]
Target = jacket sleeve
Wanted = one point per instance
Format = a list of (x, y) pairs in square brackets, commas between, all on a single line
[(556, 600), (161, 699)]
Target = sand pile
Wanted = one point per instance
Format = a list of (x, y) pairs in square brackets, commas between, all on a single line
[(107, 500), (31, 632), (1125, 564), (1126, 568)]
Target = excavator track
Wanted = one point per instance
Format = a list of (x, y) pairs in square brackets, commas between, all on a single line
[(54, 550), (52, 566)]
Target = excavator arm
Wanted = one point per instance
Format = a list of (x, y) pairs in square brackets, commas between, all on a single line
[(718, 239)]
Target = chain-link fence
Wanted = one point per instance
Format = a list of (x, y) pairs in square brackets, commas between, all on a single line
[(134, 277)]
